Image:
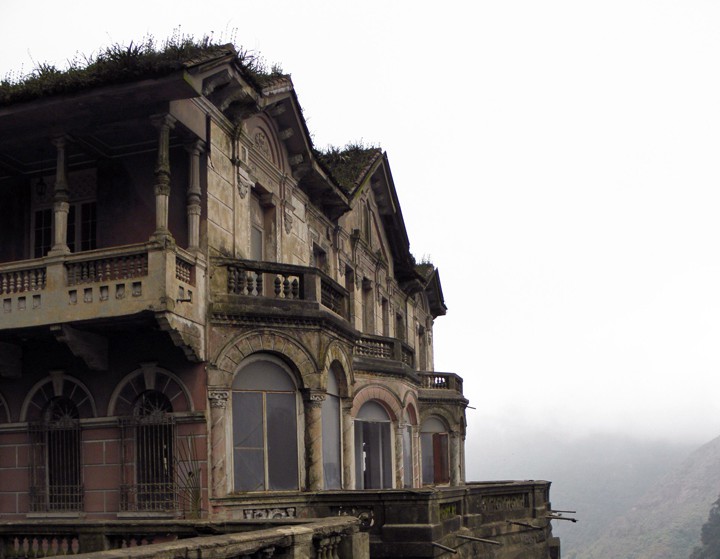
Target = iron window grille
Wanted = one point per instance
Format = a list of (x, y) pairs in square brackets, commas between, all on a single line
[(148, 457), (56, 467)]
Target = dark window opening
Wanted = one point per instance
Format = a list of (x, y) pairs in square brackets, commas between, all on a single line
[(151, 459), (56, 473)]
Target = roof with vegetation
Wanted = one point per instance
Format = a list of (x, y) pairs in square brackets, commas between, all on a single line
[(119, 64), (349, 165)]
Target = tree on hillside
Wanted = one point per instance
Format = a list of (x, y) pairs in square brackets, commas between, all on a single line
[(710, 536)]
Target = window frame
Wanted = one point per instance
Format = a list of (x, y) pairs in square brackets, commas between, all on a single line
[(267, 483)]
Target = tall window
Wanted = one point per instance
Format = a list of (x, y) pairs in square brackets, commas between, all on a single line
[(385, 317), (400, 327), (42, 234), (407, 448), (56, 473), (148, 455), (331, 430), (368, 307), (154, 452), (435, 452), (265, 439), (257, 229), (81, 228), (373, 458), (422, 347)]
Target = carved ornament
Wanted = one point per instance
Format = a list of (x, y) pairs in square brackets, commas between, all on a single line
[(261, 143), (284, 512), (288, 220), (218, 398)]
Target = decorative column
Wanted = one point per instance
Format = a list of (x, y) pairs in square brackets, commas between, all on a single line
[(455, 458), (61, 205), (219, 482), (194, 194), (415, 431), (313, 439), (164, 123), (399, 456), (348, 444)]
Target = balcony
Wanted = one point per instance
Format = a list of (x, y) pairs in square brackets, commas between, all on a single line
[(384, 348), (102, 284), (247, 287), (330, 537), (475, 520)]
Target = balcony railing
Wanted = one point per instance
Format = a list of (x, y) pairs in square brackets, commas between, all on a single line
[(157, 539), (120, 267), (442, 381), (381, 347), (23, 280), (270, 280), (106, 282)]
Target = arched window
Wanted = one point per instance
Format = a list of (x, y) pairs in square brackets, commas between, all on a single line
[(56, 472), (435, 452), (154, 451), (408, 447), (265, 439), (331, 429), (373, 458)]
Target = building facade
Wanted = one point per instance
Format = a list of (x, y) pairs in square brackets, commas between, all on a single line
[(205, 318)]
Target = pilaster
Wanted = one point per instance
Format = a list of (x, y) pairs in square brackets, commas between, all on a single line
[(348, 444), (218, 398), (313, 439)]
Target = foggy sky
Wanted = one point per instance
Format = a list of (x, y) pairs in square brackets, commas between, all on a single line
[(558, 161)]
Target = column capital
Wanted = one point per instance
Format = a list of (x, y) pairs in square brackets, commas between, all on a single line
[(196, 147), (218, 397), (163, 120), (313, 396)]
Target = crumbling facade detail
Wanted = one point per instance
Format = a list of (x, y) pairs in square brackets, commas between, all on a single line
[(205, 317)]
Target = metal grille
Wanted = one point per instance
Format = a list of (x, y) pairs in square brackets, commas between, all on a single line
[(149, 450), (56, 466)]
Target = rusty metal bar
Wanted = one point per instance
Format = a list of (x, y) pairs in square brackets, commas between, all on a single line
[(524, 524), (445, 548), (482, 540)]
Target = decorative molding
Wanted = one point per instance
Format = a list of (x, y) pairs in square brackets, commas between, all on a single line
[(283, 512), (366, 515), (218, 397), (288, 220), (244, 183), (261, 143)]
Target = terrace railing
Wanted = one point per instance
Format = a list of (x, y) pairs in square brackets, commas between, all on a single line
[(442, 381), (287, 282), (156, 539), (111, 281)]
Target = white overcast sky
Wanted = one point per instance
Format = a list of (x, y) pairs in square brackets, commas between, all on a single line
[(557, 160)]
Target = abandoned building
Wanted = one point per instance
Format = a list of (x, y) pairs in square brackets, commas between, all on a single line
[(214, 340)]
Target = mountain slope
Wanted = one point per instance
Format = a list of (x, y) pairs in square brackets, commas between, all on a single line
[(665, 523)]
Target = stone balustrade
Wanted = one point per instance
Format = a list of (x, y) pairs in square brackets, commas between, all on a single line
[(442, 381), (329, 538), (284, 282), (109, 282), (22, 279)]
